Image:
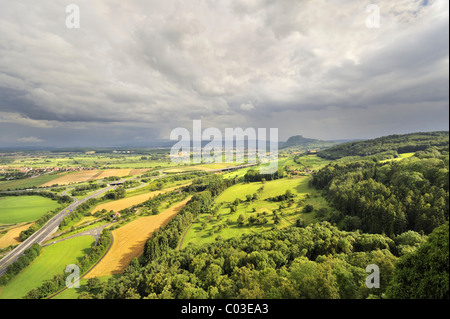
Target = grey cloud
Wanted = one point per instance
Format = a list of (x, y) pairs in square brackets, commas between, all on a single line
[(30, 139), (149, 66)]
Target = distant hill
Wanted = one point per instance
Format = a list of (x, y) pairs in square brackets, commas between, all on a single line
[(304, 143), (404, 143)]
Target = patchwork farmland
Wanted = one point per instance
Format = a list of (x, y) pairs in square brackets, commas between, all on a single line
[(90, 175), (225, 222), (283, 212)]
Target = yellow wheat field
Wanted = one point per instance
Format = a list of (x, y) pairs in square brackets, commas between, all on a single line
[(84, 176), (12, 237), (77, 177), (129, 241), (131, 201)]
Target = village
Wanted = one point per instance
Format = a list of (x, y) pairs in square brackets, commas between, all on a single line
[(10, 174)]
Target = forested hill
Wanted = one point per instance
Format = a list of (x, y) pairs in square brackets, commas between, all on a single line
[(405, 143), (389, 197), (304, 143), (316, 262)]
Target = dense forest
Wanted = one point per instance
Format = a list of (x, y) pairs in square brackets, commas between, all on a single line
[(253, 175), (393, 143), (389, 197), (318, 261)]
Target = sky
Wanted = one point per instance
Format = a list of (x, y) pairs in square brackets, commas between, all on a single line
[(132, 71)]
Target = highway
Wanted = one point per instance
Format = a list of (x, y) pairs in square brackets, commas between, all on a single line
[(53, 224), (45, 231)]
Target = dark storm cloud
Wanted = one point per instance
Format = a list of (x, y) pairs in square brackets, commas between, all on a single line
[(135, 70)]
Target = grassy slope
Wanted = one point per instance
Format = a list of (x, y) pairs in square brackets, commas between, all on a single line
[(402, 156), (298, 186), (53, 260)]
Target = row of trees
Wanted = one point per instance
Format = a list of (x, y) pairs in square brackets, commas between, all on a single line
[(27, 257), (63, 200), (253, 175), (152, 205), (424, 273), (83, 189), (79, 212), (213, 183), (115, 194), (38, 224), (58, 281), (168, 237)]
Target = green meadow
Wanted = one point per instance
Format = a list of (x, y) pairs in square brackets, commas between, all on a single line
[(223, 221), (401, 156), (19, 209), (52, 261), (311, 162), (28, 182)]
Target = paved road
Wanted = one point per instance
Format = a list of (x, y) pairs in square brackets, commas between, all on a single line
[(94, 232), (53, 224), (42, 234)]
